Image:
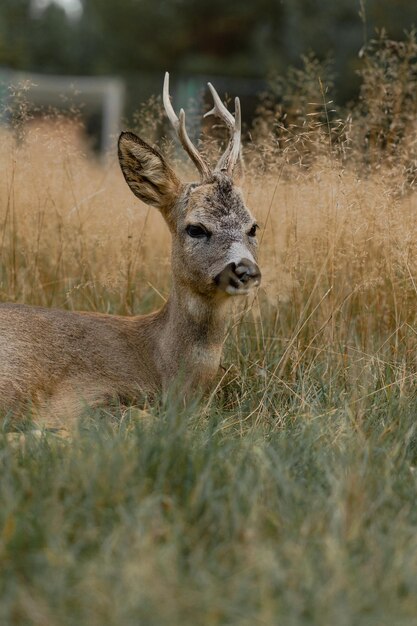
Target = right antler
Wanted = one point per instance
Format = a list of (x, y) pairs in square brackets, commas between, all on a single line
[(179, 125), (231, 155)]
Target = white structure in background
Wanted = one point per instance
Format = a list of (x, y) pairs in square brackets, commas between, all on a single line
[(73, 8), (97, 98)]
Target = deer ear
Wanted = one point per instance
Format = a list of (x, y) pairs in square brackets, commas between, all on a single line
[(147, 173)]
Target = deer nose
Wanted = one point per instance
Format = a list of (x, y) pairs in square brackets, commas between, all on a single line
[(238, 278), (246, 271)]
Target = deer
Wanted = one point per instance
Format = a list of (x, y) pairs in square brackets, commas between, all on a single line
[(58, 362)]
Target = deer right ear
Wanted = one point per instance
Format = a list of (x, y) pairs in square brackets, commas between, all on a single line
[(147, 173)]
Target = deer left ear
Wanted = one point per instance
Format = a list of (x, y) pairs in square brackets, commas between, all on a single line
[(147, 173)]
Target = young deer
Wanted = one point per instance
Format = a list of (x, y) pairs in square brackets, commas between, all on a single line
[(59, 361)]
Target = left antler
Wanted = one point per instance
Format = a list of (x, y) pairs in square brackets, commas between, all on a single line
[(179, 125)]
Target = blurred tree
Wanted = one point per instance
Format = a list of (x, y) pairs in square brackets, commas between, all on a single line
[(14, 22), (238, 37), (53, 42)]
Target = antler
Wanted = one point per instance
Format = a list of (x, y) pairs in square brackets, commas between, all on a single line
[(179, 126), (231, 155)]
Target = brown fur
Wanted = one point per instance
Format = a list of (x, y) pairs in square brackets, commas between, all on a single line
[(58, 361)]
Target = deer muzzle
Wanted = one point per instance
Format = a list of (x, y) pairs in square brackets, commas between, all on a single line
[(239, 278)]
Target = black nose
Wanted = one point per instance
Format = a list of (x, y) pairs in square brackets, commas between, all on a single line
[(239, 277), (246, 271)]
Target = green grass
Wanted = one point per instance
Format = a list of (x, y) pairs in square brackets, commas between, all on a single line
[(300, 511)]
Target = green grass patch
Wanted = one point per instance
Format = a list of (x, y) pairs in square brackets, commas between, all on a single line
[(183, 518)]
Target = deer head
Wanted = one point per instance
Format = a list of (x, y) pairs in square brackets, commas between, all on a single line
[(214, 233)]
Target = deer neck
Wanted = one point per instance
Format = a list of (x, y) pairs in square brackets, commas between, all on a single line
[(193, 334)]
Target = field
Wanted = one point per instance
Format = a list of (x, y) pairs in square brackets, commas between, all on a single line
[(288, 496)]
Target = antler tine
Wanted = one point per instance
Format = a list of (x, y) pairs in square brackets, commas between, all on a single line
[(237, 133), (231, 155), (179, 126), (220, 109), (167, 104)]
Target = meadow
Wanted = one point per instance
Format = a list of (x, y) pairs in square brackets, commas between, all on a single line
[(288, 495)]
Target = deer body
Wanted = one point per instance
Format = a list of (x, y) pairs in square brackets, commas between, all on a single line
[(60, 361)]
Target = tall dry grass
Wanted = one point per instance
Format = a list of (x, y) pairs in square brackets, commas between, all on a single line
[(337, 249)]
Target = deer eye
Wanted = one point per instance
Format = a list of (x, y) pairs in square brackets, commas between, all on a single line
[(252, 231), (197, 231)]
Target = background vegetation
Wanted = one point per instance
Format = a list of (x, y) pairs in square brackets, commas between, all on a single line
[(235, 38), (289, 495)]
